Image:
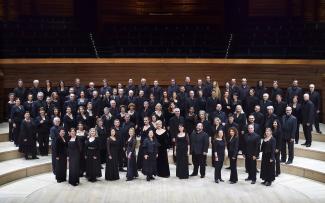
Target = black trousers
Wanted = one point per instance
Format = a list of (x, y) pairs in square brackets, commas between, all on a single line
[(217, 169), (233, 169), (43, 142), (121, 158), (251, 167), (277, 163), (307, 133), (316, 122), (53, 158), (297, 133), (284, 150), (11, 137), (199, 160)]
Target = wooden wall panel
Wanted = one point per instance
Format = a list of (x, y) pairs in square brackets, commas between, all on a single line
[(273, 8), (3, 98)]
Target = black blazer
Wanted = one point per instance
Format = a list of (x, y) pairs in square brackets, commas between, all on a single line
[(252, 144), (307, 112), (232, 146), (199, 142), (289, 127)]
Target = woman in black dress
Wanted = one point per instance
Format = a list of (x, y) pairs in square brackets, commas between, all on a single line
[(82, 117), (232, 153), (28, 137), (296, 111), (216, 127), (102, 138), (74, 158), (132, 171), (112, 166), (277, 134), (43, 130), (267, 165), (10, 104), (241, 119), (219, 154), (162, 160), (82, 135), (92, 156), (150, 151), (17, 116), (182, 147), (91, 120), (68, 120), (61, 157), (143, 135), (190, 120)]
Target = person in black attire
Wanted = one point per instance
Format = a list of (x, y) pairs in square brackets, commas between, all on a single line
[(92, 156), (315, 98), (156, 90), (219, 154), (232, 146), (20, 91), (173, 126), (62, 91), (28, 104), (257, 127), (260, 89), (277, 135), (74, 158), (212, 102), (35, 89), (107, 119), (294, 90), (144, 87), (28, 137), (17, 116), (69, 120), (279, 106), (190, 120), (102, 138), (72, 103), (259, 117), (264, 103), (269, 117), (121, 140), (150, 152), (43, 130), (268, 158), (200, 101), (275, 91), (82, 135), (60, 155), (182, 147), (112, 164), (289, 127), (105, 88), (251, 101), (251, 152), (199, 148), (97, 104), (218, 113), (307, 114), (143, 133), (132, 171), (240, 119), (163, 139), (39, 103), (187, 85), (10, 104), (54, 134), (296, 111)]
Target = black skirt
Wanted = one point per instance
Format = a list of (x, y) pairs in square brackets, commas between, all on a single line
[(267, 168)]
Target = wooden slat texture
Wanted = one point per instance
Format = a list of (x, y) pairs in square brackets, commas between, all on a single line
[(267, 8)]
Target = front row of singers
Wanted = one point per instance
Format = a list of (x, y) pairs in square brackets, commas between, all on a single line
[(83, 154)]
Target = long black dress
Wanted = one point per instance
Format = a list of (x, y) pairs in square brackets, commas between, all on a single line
[(61, 160), (267, 167), (74, 161), (102, 137), (162, 160), (132, 171), (92, 164), (150, 148), (81, 138), (28, 138), (143, 135), (112, 166), (182, 143)]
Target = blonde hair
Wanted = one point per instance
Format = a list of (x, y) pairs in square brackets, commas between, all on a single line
[(93, 129)]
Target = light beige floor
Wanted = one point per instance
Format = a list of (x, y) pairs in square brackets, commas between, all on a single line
[(43, 188)]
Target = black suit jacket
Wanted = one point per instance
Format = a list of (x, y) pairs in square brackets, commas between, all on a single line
[(289, 127), (199, 142)]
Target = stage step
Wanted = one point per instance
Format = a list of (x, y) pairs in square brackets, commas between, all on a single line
[(20, 168)]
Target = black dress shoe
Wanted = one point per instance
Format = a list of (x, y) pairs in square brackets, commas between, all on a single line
[(216, 181), (283, 161), (193, 174), (268, 184), (263, 183), (232, 182), (129, 179), (308, 145), (253, 182), (148, 178), (228, 168), (221, 180), (296, 142), (202, 176), (152, 178), (122, 170), (35, 157), (319, 132), (289, 162)]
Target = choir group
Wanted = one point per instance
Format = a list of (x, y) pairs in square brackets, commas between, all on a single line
[(93, 127)]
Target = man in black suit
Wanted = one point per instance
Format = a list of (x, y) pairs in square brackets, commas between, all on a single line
[(251, 151), (294, 90), (307, 113), (315, 98), (199, 149), (289, 127)]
